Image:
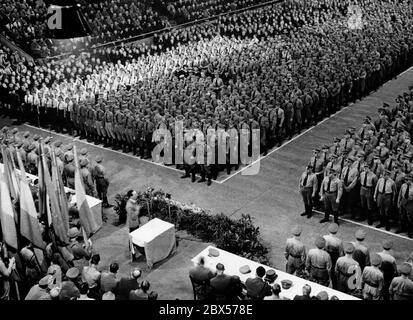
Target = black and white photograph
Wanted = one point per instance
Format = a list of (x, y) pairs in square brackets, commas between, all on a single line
[(207, 155)]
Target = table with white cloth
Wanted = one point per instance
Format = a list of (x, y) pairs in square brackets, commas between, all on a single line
[(95, 204), (233, 263), (158, 239)]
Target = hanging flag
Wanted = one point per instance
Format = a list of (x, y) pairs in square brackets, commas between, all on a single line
[(8, 224), (10, 174), (42, 191), (56, 215), (29, 222), (60, 192), (87, 220)]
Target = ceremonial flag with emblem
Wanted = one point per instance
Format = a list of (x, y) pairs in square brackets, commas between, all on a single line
[(29, 223), (87, 220), (60, 192), (10, 174), (56, 215), (7, 217)]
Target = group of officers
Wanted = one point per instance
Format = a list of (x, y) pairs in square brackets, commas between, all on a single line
[(367, 174), (27, 145), (351, 267)]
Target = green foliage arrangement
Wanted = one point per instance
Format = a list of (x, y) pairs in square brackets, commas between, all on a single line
[(238, 236)]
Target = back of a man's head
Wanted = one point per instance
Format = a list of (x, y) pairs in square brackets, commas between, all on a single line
[(136, 273), (95, 259), (114, 267), (260, 271), (276, 289), (201, 261), (145, 285), (306, 290), (83, 288)]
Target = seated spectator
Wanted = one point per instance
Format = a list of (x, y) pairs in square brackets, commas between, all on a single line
[(91, 276), (108, 296), (141, 293), (127, 284), (275, 292), (40, 291), (256, 287), (225, 287), (84, 291), (200, 277), (69, 289), (109, 280), (306, 293)]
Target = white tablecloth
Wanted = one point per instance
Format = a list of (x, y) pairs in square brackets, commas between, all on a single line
[(158, 239), (94, 203), (233, 262)]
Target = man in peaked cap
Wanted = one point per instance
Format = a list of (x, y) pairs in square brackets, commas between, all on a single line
[(361, 252), (69, 289), (372, 280), (318, 263), (401, 288), (385, 196), (295, 253), (308, 189), (368, 181), (41, 290), (331, 192), (80, 254), (388, 267), (69, 170), (87, 177), (345, 268), (102, 183), (404, 203), (334, 247)]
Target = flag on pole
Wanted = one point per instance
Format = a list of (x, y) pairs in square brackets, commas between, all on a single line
[(10, 174), (87, 220), (56, 215), (60, 192), (29, 222), (8, 224)]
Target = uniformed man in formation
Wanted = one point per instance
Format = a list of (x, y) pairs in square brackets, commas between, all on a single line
[(92, 172), (374, 171)]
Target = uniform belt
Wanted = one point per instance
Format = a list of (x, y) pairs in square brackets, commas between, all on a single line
[(331, 192), (345, 273), (386, 194), (99, 177), (319, 268), (367, 187), (294, 256), (311, 187)]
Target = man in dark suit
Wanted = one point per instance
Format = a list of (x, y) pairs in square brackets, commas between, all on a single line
[(225, 287), (257, 288), (306, 293), (200, 276), (126, 285)]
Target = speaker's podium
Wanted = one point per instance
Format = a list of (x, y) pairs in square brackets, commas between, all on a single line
[(157, 238)]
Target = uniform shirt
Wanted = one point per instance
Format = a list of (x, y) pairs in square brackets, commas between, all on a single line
[(406, 192), (333, 244), (368, 179), (36, 293), (308, 181), (377, 168), (361, 248), (347, 143), (332, 185), (69, 291), (108, 281), (317, 164), (349, 175), (344, 264), (319, 259), (387, 257), (401, 289), (386, 186), (372, 280), (295, 248)]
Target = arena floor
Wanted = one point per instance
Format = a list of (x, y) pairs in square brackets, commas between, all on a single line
[(271, 196)]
